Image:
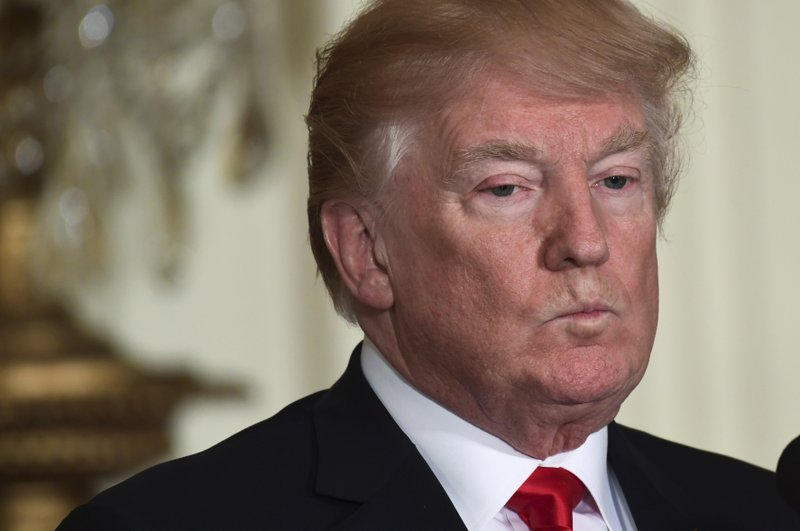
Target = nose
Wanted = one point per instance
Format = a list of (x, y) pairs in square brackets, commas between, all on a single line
[(575, 233)]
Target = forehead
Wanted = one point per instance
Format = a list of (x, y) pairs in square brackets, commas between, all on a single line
[(499, 112)]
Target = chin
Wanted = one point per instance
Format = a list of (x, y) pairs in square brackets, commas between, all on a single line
[(588, 381)]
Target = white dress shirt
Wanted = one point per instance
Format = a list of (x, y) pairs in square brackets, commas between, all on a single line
[(480, 472)]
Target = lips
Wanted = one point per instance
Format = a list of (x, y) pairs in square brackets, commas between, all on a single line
[(583, 322), (583, 311)]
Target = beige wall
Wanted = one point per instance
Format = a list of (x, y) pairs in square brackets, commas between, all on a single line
[(725, 370)]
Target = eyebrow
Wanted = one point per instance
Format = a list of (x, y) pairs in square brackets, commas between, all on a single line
[(627, 138), (465, 158)]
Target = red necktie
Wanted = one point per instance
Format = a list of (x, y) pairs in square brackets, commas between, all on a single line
[(546, 500)]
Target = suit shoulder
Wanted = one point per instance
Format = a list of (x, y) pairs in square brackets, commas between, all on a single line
[(262, 466), (677, 456), (711, 487)]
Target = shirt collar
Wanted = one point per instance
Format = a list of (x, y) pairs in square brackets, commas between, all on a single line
[(478, 471)]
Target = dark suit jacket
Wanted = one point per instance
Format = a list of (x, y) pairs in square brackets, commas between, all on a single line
[(337, 461)]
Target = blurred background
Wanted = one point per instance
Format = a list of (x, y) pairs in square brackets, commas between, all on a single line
[(155, 279)]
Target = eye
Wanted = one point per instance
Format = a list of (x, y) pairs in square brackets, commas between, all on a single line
[(615, 182), (504, 190)]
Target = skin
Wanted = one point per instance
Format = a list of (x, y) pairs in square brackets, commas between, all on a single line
[(509, 269)]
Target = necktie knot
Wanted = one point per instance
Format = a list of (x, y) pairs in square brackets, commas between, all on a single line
[(547, 498)]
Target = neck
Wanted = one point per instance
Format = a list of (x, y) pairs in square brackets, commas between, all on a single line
[(519, 417)]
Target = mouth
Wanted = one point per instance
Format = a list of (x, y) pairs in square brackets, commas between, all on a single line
[(584, 322), (587, 311)]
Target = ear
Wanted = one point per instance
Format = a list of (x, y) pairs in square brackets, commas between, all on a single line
[(358, 254)]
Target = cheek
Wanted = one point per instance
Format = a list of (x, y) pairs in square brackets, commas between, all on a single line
[(652, 293), (494, 269), (464, 281), (632, 245), (642, 282), (649, 268)]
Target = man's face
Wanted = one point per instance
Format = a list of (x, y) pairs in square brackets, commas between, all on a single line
[(521, 251)]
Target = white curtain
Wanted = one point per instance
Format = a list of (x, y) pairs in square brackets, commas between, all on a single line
[(725, 369)]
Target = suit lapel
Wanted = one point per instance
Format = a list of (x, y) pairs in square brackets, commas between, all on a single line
[(652, 500), (407, 501), (364, 457)]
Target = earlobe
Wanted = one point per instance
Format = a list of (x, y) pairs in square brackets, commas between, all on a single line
[(358, 253)]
